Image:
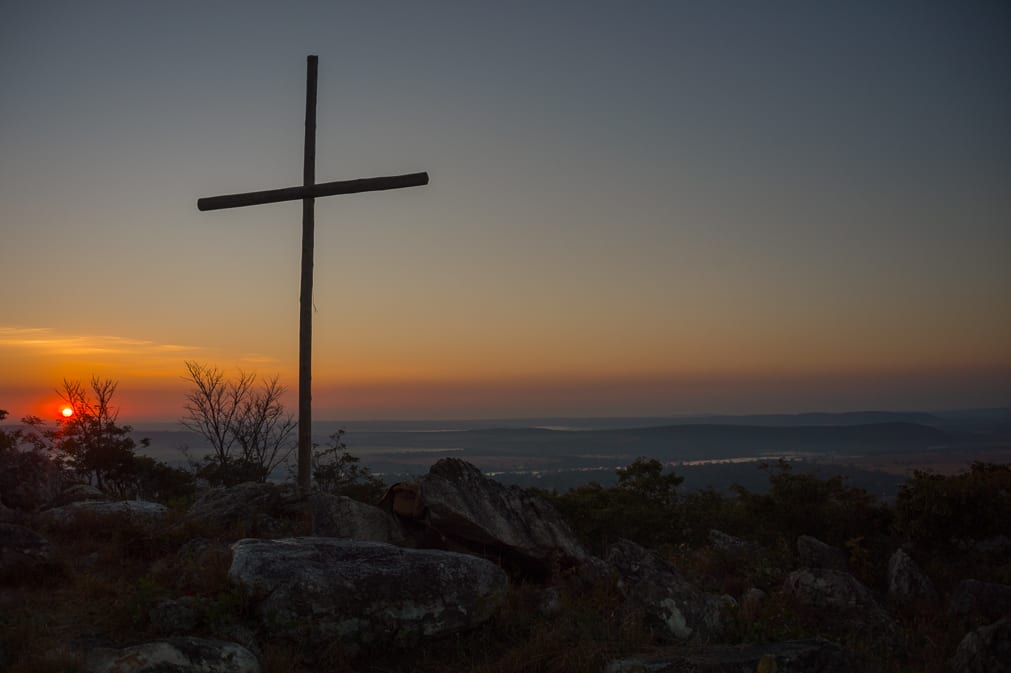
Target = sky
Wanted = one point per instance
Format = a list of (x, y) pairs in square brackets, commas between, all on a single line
[(648, 208)]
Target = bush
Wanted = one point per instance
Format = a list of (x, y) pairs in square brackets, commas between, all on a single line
[(932, 510), (336, 471)]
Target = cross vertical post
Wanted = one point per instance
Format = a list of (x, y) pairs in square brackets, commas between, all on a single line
[(308, 192), (305, 292)]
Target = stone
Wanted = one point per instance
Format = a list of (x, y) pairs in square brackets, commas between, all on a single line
[(21, 547), (751, 603), (906, 582), (364, 593), (261, 509), (986, 649), (341, 517), (815, 655), (823, 588), (78, 493), (139, 511), (730, 544), (814, 553), (179, 655), (670, 605), (479, 515), (980, 601), (175, 617), (843, 606)]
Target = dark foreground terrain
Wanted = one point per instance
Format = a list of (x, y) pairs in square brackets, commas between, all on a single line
[(456, 572)]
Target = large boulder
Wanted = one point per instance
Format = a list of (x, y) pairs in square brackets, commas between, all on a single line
[(178, 655), (340, 516), (78, 493), (364, 593), (21, 547), (906, 582), (789, 656), (978, 601), (252, 508), (138, 511), (479, 515), (823, 588), (814, 553), (843, 607), (674, 608), (986, 649)]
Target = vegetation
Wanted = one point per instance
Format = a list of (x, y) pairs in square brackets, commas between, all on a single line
[(249, 432), (336, 471)]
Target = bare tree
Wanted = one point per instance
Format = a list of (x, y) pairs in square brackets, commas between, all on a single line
[(248, 430)]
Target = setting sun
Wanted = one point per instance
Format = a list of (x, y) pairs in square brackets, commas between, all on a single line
[(67, 412)]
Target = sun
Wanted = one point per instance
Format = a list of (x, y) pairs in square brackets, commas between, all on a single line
[(67, 412)]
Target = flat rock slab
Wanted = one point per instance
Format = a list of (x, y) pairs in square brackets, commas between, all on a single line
[(792, 656), (138, 510), (365, 593), (20, 546), (178, 655)]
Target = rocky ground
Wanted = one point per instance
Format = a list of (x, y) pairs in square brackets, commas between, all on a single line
[(456, 573)]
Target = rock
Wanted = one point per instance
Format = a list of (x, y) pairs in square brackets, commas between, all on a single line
[(814, 553), (482, 516), (21, 547), (78, 493), (985, 601), (342, 517), (261, 509), (906, 582), (823, 588), (751, 603), (178, 655), (670, 605), (998, 545), (986, 649), (176, 617), (365, 593), (140, 511), (790, 656), (549, 602), (730, 544), (844, 606)]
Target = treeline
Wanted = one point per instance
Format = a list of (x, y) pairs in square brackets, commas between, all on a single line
[(242, 419), (936, 513)]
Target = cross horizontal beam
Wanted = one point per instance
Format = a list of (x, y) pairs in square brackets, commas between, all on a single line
[(313, 191)]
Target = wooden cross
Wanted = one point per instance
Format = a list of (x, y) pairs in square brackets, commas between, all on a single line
[(308, 192)]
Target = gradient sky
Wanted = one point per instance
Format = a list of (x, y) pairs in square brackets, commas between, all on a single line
[(642, 208)]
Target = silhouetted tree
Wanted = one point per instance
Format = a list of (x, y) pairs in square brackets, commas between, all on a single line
[(90, 441), (248, 430)]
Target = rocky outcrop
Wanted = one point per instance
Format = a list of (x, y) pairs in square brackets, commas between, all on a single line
[(342, 517), (729, 544), (179, 655), (986, 649), (821, 588), (813, 553), (21, 547), (139, 511), (844, 607), (980, 601), (364, 593), (791, 656), (670, 605), (906, 582), (481, 516), (78, 493), (260, 509)]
